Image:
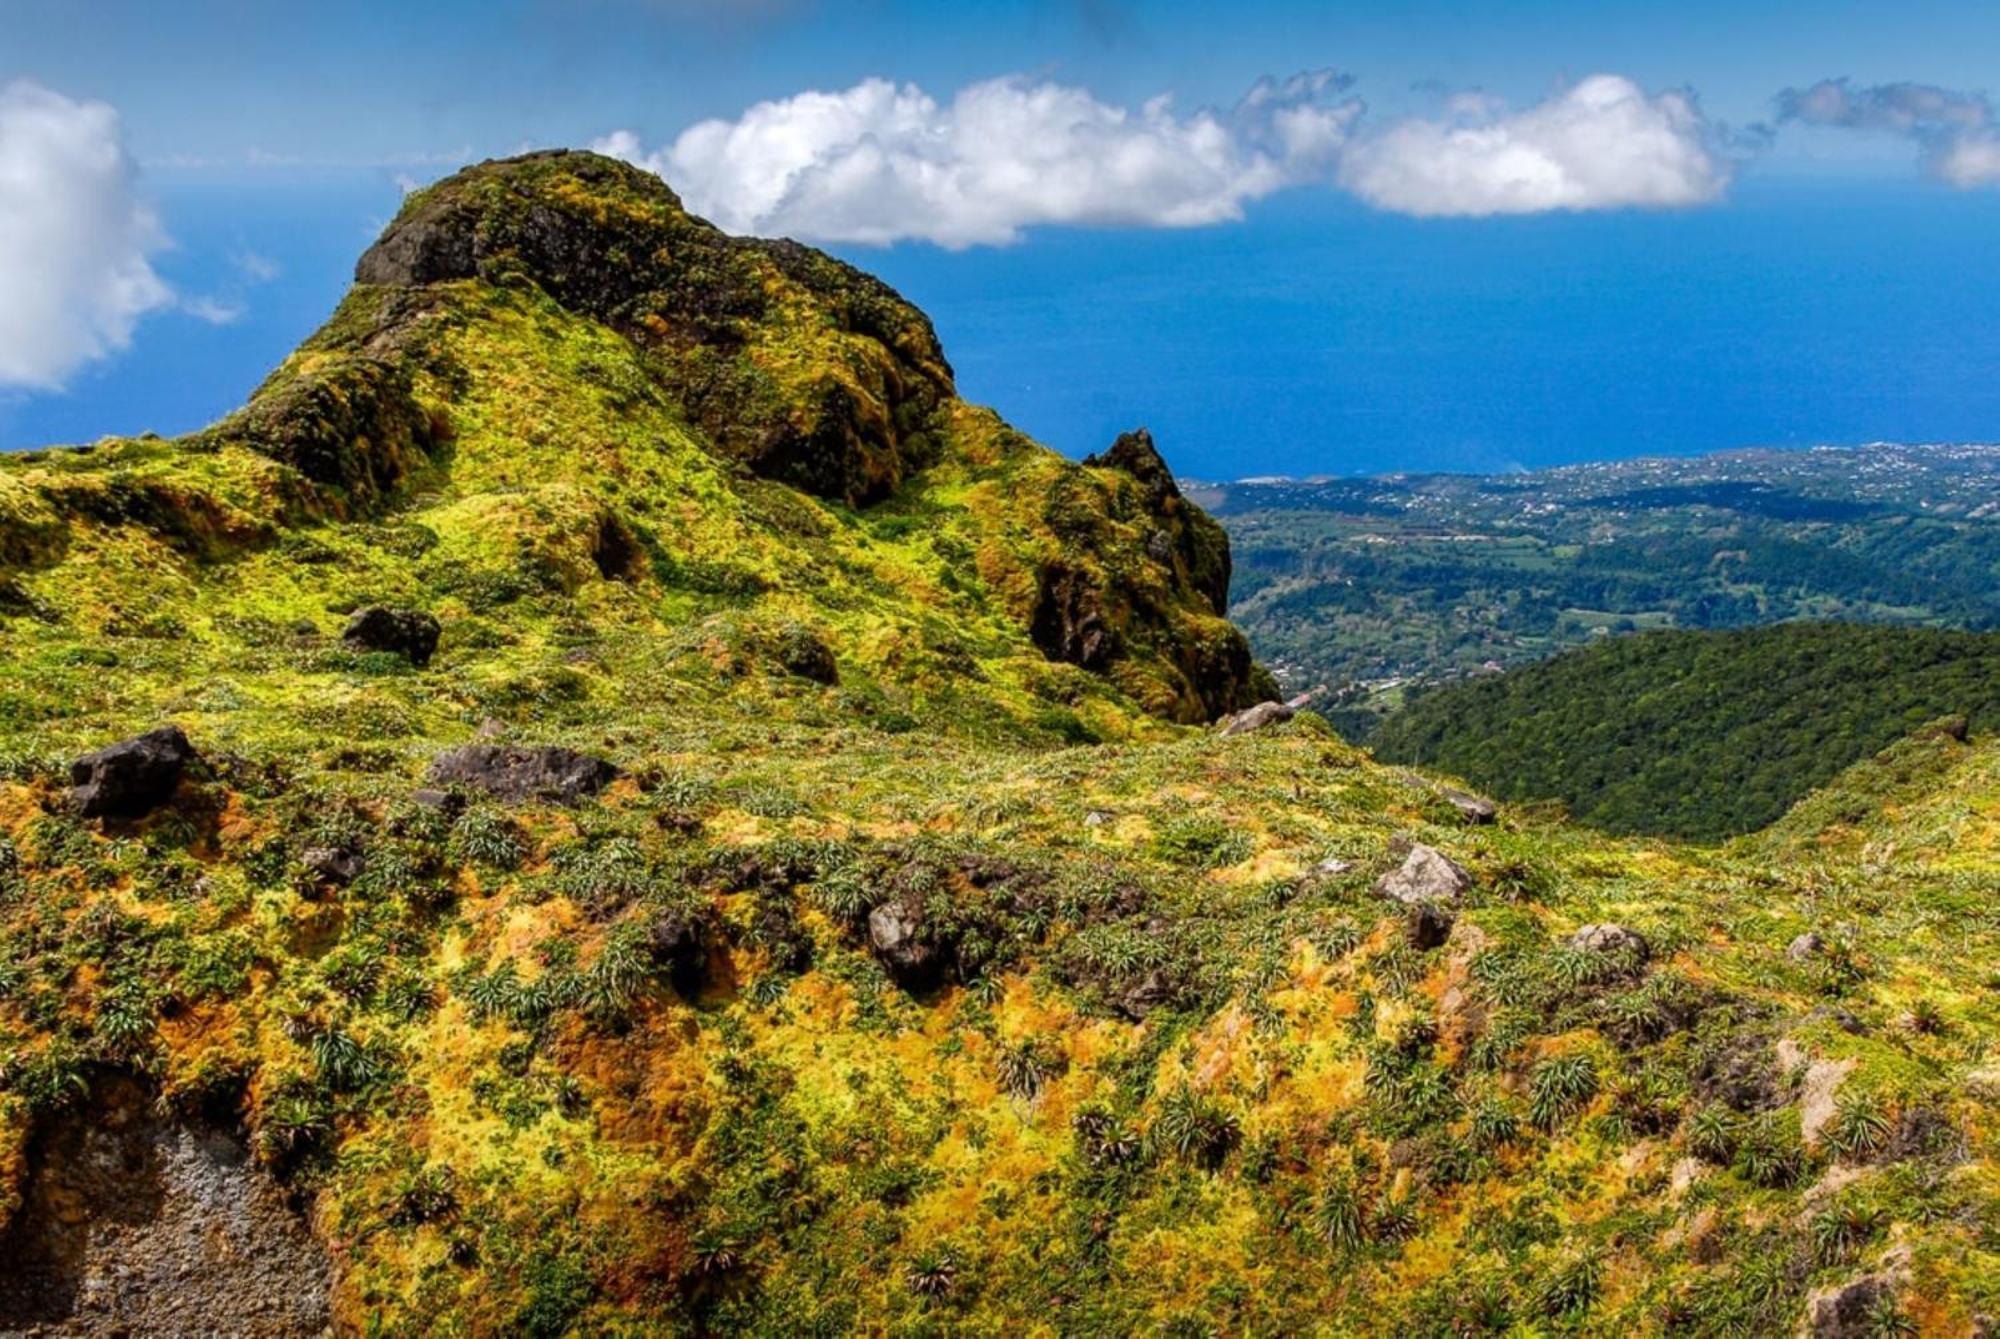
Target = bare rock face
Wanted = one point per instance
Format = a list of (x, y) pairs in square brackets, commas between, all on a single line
[(409, 633), (1426, 875), (137, 1224), (1068, 622), (131, 778), (518, 773)]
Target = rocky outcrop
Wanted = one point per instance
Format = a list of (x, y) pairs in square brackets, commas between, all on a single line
[(131, 778), (609, 241), (1186, 536), (897, 935), (409, 633), (1255, 718), (1426, 875), (1141, 586), (1068, 623), (136, 1223), (518, 773)]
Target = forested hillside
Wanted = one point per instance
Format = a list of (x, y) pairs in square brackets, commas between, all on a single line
[(1697, 734), (1369, 585)]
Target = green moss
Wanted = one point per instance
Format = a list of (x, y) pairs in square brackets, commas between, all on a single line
[(1171, 1070)]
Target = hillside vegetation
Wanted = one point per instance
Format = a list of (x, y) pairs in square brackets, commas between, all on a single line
[(1366, 585), (1698, 735), (694, 829)]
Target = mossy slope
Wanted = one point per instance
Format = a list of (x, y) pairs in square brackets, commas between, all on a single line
[(709, 508)]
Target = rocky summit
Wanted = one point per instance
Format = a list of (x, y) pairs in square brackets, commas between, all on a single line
[(607, 799)]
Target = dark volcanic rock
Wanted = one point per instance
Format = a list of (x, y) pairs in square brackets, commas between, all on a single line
[(1427, 925), (1068, 623), (804, 653), (132, 777), (1849, 1311), (896, 933), (518, 773), (1138, 1000), (677, 943), (409, 633)]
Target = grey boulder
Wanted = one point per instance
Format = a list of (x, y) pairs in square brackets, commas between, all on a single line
[(518, 773), (1426, 875)]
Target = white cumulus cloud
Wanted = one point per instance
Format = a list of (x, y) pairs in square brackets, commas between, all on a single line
[(1957, 132), (881, 162), (1600, 144), (76, 237)]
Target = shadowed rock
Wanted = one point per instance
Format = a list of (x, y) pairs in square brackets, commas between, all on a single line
[(1849, 1310), (675, 939), (1068, 622), (409, 633), (338, 865), (1475, 809), (131, 778), (1427, 925), (518, 773), (896, 933)]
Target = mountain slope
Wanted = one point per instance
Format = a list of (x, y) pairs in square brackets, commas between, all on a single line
[(1697, 734), (826, 985)]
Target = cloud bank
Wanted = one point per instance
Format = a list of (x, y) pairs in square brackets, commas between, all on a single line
[(75, 238), (1956, 131), (1601, 144), (881, 162)]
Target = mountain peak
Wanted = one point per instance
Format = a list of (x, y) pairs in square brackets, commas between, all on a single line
[(565, 380)]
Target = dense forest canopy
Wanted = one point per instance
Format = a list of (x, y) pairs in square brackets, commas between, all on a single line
[(1697, 734)]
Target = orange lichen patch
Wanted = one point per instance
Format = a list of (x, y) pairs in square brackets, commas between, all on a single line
[(238, 827), (651, 1085), (1219, 1047)]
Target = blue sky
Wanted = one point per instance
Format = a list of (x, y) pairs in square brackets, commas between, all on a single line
[(1332, 275)]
